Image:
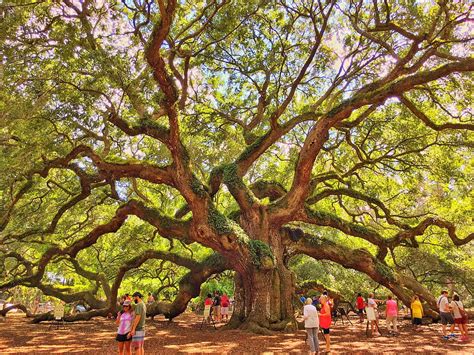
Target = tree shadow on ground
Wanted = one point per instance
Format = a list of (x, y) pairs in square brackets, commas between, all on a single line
[(184, 335)]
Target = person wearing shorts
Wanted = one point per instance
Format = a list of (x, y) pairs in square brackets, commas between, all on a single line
[(460, 317), (445, 314), (391, 315), (225, 307), (325, 320), (360, 303), (138, 327), (124, 321)]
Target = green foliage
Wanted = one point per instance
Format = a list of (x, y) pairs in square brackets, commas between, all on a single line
[(384, 270), (198, 187), (261, 254), (230, 176), (219, 222)]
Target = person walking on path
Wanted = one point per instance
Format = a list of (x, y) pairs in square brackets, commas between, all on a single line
[(325, 320), (124, 321), (445, 315), (416, 312), (360, 304), (391, 314), (460, 316), (138, 327), (311, 324)]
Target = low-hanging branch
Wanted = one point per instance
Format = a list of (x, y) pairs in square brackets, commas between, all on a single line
[(403, 286)]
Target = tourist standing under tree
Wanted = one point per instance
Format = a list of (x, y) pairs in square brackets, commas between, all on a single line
[(460, 316), (391, 314), (311, 324), (208, 302), (150, 299), (217, 306), (225, 307), (372, 303), (124, 321), (360, 304), (445, 314), (138, 327), (416, 312), (325, 319)]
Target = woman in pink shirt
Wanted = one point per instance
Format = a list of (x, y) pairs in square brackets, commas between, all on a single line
[(391, 315), (124, 321)]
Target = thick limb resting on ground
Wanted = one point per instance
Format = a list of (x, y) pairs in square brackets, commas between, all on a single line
[(22, 307), (403, 286), (189, 286)]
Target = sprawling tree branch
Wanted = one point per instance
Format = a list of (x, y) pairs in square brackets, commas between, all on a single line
[(319, 248), (298, 193)]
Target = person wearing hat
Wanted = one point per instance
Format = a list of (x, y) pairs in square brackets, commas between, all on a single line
[(138, 327), (124, 321)]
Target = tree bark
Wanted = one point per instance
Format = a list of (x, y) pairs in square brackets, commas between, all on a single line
[(265, 290)]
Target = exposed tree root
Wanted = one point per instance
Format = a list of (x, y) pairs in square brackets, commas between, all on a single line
[(254, 327)]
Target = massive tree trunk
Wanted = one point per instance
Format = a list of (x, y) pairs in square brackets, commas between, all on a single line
[(265, 288)]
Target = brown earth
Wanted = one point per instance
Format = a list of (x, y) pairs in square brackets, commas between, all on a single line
[(17, 336)]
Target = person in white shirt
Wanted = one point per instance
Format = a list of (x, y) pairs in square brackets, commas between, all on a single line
[(311, 324), (445, 314), (372, 303)]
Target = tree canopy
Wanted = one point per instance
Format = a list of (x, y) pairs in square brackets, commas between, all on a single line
[(157, 143)]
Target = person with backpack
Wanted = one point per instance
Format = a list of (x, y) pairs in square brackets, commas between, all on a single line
[(460, 316), (225, 307), (445, 315)]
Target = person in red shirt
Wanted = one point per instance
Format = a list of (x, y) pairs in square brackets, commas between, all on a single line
[(360, 304), (325, 319), (208, 302), (225, 307)]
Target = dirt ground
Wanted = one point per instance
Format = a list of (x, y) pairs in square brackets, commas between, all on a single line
[(17, 336)]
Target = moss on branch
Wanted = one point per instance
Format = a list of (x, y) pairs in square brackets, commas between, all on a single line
[(197, 187), (261, 254), (384, 270), (219, 222), (251, 148), (230, 175)]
